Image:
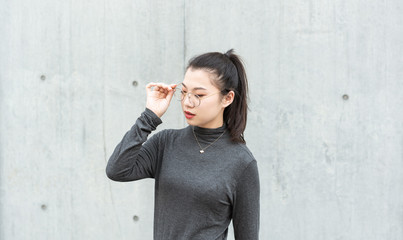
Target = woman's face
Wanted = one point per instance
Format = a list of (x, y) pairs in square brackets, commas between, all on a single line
[(209, 114)]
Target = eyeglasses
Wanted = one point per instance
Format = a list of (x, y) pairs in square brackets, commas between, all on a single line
[(194, 99)]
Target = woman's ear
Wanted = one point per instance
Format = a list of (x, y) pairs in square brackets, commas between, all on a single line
[(228, 99)]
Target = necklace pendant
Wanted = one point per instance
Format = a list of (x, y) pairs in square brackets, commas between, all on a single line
[(202, 151)]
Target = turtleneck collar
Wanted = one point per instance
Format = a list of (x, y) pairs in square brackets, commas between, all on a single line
[(209, 131), (207, 135)]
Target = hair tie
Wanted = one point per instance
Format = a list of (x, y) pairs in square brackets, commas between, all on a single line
[(228, 53)]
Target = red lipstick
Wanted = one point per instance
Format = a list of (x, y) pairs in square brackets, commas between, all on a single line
[(189, 115)]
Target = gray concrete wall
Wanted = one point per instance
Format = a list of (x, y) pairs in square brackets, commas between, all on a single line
[(72, 78)]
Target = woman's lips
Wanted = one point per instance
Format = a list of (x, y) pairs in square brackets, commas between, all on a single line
[(189, 115)]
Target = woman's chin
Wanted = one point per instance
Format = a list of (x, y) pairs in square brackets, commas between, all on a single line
[(191, 122)]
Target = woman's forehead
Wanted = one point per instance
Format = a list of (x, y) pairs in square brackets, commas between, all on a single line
[(198, 79)]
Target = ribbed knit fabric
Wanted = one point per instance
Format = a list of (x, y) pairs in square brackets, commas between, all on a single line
[(196, 195)]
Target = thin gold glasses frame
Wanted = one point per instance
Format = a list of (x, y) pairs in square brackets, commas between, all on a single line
[(180, 96)]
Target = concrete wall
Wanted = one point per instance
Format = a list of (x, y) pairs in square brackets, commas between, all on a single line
[(72, 78)]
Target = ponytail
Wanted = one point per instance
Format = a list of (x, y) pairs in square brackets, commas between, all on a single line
[(230, 76), (235, 115)]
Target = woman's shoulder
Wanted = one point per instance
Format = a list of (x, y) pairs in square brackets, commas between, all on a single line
[(240, 156), (240, 161), (246, 151), (242, 149)]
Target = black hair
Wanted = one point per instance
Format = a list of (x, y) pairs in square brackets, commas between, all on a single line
[(230, 75)]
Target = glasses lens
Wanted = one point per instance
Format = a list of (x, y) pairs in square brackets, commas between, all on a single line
[(179, 94), (195, 100), (190, 97)]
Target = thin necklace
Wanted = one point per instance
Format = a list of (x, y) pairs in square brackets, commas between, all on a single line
[(202, 149)]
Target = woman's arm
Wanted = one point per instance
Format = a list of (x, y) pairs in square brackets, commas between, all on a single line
[(134, 158), (131, 159), (246, 206)]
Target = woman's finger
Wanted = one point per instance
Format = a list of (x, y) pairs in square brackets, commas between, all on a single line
[(160, 87), (149, 87), (165, 86)]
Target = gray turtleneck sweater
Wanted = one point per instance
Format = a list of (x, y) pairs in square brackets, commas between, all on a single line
[(196, 194)]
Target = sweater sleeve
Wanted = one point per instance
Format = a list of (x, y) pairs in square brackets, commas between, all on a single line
[(135, 157), (246, 206)]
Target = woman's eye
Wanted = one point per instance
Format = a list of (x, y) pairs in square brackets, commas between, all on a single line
[(199, 95)]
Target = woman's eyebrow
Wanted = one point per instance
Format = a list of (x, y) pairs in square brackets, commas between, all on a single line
[(196, 88)]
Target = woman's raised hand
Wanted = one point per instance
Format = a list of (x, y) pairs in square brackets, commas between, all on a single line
[(159, 96)]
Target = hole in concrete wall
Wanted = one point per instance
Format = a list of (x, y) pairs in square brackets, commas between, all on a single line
[(43, 207), (136, 218), (345, 97), (43, 77), (135, 83)]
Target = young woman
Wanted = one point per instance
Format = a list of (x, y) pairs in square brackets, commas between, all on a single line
[(204, 173)]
